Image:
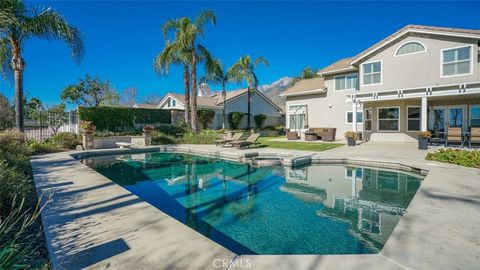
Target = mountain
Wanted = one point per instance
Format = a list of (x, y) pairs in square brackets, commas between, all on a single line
[(274, 89)]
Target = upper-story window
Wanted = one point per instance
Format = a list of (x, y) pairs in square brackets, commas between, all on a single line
[(347, 82), (409, 48), (372, 73), (169, 104), (457, 61), (174, 102)]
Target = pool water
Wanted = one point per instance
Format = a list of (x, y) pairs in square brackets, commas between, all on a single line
[(318, 209)]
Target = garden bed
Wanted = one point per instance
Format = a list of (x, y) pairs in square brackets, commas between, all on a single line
[(467, 158)]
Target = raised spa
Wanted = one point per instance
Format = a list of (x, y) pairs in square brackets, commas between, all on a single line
[(317, 209)]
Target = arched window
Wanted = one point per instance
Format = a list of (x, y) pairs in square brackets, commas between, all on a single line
[(410, 47)]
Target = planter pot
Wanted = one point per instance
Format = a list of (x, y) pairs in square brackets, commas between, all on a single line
[(422, 143), (351, 142)]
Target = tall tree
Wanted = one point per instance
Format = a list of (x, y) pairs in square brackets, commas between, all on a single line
[(307, 73), (173, 54), (244, 70), (216, 74), (187, 32), (17, 24), (90, 92), (129, 97)]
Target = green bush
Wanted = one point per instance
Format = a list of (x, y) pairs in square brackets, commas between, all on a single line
[(11, 136), (67, 140), (206, 136), (234, 119), (43, 147), (467, 158), (106, 133), (170, 129), (14, 183), (205, 117), (159, 138), (121, 119), (260, 120)]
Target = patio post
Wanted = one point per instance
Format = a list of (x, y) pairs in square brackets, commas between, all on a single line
[(354, 115), (423, 117)]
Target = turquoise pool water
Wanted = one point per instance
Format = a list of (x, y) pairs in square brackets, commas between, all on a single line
[(317, 209)]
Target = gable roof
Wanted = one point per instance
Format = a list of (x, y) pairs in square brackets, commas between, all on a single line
[(216, 100), (305, 87), (339, 66), (349, 64), (145, 106), (411, 28)]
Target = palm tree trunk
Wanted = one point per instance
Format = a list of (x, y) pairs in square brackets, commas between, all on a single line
[(249, 97), (194, 95), (18, 66), (224, 97), (186, 79)]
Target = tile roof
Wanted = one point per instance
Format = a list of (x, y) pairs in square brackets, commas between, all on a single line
[(145, 106), (413, 27), (338, 65), (317, 83)]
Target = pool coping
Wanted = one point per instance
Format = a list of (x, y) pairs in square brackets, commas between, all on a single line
[(390, 257)]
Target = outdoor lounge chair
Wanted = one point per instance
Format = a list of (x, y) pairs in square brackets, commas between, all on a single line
[(251, 140), (226, 140), (454, 135), (474, 136)]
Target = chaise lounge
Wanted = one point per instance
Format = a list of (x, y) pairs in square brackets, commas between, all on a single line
[(251, 140), (226, 139)]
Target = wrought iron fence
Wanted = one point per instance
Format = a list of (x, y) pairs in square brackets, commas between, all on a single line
[(45, 124)]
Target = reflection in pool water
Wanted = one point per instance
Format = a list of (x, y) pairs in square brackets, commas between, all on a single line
[(269, 210)]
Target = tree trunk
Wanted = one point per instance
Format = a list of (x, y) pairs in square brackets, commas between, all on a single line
[(18, 66), (249, 97), (194, 95), (224, 97), (186, 79)]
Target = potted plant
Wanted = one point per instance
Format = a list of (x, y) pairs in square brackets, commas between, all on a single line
[(88, 127), (423, 139), (351, 138), (148, 129)]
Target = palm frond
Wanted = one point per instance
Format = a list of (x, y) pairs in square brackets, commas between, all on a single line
[(49, 24), (5, 56), (203, 18), (169, 25), (260, 60)]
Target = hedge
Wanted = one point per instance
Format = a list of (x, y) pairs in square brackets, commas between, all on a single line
[(119, 119)]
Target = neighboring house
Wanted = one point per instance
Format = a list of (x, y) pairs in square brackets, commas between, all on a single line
[(419, 78), (145, 106), (236, 101)]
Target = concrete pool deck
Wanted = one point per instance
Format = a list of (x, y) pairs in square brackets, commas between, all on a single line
[(93, 223)]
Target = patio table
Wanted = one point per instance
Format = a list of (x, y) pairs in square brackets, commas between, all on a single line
[(311, 136)]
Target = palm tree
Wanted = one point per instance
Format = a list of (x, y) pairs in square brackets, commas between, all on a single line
[(216, 74), (307, 73), (186, 34), (244, 70), (17, 24), (171, 54)]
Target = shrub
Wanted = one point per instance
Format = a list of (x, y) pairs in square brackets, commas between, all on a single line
[(171, 129), (120, 119), (234, 119), (424, 134), (14, 183), (11, 136), (66, 140), (205, 117), (106, 133), (206, 136), (43, 147), (260, 120), (455, 156), (159, 138)]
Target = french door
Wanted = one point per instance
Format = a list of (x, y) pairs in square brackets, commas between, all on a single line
[(442, 117)]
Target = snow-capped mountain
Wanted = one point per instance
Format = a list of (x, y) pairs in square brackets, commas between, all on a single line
[(274, 89)]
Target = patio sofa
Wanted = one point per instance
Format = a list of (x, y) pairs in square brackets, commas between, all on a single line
[(325, 134)]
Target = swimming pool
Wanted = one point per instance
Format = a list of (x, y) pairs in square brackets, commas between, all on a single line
[(317, 209)]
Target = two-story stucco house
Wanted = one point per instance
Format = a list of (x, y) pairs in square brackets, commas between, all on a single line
[(236, 101), (419, 78)]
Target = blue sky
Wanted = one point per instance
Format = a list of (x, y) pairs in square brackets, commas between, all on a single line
[(122, 38)]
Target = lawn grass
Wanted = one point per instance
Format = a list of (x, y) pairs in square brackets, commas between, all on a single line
[(266, 142)]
